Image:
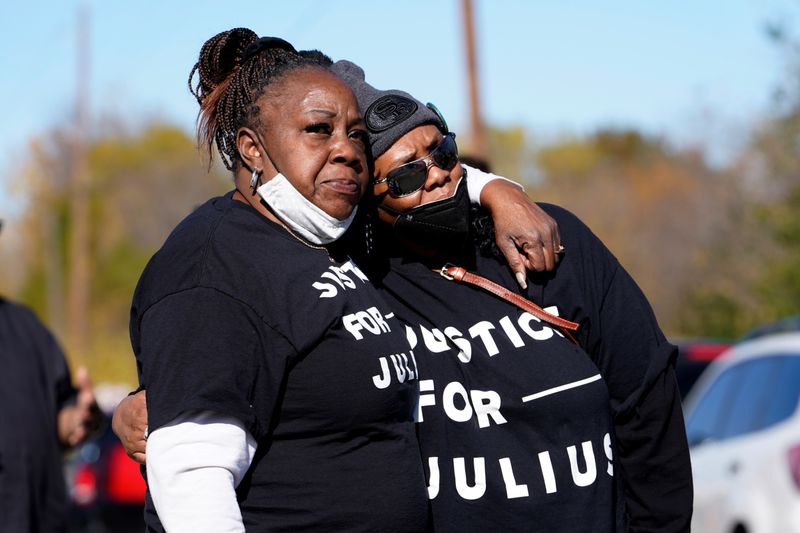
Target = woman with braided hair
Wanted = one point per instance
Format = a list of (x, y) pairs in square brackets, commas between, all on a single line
[(262, 346), (262, 410)]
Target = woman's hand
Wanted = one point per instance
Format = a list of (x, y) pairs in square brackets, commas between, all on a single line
[(527, 236), (130, 425)]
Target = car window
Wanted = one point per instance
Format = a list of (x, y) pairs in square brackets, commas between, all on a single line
[(753, 392), (785, 391), (709, 417)]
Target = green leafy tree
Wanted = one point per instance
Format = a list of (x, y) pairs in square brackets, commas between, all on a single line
[(142, 184), (777, 148), (665, 213)]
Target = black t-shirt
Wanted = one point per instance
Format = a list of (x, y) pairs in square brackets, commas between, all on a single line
[(236, 316), (34, 386), (521, 430)]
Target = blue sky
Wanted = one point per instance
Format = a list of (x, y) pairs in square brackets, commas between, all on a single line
[(695, 71)]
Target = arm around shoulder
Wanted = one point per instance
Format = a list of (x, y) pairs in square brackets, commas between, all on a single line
[(526, 235)]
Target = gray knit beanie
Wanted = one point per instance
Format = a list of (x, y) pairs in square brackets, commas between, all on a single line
[(389, 114)]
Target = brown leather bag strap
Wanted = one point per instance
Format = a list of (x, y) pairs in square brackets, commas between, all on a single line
[(460, 274)]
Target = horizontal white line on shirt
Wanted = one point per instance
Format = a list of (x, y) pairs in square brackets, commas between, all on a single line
[(560, 388)]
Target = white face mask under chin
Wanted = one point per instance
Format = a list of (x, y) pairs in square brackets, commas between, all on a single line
[(299, 214)]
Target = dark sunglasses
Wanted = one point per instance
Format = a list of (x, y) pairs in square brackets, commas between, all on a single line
[(410, 177)]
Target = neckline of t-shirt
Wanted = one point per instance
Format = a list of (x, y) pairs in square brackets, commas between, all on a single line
[(276, 228)]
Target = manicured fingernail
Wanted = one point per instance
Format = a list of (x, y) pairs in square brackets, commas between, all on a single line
[(521, 280)]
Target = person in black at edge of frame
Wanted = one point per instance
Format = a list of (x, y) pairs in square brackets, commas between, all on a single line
[(242, 321), (41, 416), (519, 429)]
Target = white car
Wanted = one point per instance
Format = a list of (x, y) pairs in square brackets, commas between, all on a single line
[(743, 425)]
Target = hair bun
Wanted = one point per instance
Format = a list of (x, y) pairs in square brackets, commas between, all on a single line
[(233, 70), (265, 43), (220, 55)]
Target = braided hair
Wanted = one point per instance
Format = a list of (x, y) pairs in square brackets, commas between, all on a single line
[(233, 71)]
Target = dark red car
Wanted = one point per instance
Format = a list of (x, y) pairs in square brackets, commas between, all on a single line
[(694, 355), (106, 487)]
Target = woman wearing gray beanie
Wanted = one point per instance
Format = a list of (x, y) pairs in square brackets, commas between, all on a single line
[(520, 428)]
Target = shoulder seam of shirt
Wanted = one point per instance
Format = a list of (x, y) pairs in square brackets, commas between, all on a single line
[(607, 288), (207, 245)]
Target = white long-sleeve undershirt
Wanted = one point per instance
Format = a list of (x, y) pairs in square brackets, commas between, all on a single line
[(194, 465), (478, 179)]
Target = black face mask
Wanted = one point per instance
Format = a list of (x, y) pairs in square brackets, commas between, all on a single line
[(443, 224)]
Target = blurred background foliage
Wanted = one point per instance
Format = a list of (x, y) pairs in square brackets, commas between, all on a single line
[(715, 248), (143, 183)]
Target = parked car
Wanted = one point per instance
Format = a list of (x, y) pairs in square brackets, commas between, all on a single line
[(784, 325), (743, 426), (694, 355)]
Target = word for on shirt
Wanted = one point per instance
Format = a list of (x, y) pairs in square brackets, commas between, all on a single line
[(462, 405)]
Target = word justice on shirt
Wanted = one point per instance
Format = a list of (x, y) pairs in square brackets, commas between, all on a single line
[(404, 366), (339, 278)]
